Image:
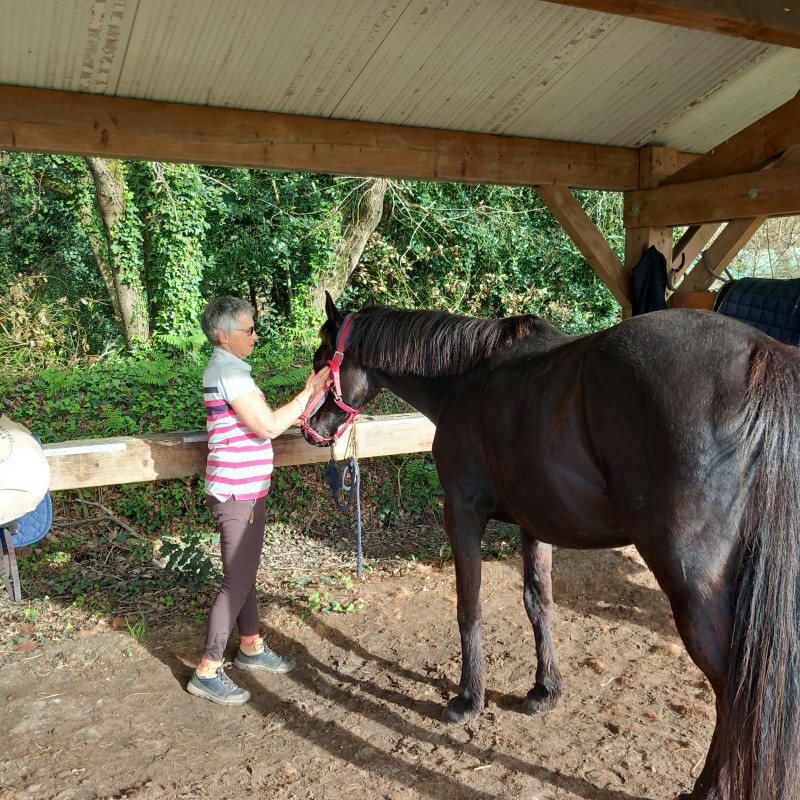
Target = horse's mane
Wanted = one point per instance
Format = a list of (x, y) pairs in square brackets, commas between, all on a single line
[(430, 343)]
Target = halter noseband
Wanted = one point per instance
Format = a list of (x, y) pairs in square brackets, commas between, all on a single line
[(335, 386)]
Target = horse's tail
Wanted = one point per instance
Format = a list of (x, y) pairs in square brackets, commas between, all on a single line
[(763, 682)]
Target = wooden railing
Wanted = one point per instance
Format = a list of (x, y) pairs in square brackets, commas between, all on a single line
[(130, 459)]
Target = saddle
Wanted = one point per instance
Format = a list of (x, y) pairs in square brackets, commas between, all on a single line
[(26, 510), (770, 304)]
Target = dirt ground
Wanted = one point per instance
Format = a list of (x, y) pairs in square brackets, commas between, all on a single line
[(104, 715)]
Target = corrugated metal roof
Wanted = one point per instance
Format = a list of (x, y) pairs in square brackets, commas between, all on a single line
[(518, 67)]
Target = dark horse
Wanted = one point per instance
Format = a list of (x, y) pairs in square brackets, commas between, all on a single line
[(676, 431)]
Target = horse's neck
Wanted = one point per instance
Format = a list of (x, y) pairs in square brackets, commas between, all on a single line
[(427, 394), (423, 394)]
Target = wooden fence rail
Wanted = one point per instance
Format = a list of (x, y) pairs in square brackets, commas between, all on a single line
[(130, 459)]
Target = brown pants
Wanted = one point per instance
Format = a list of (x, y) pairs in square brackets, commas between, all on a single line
[(241, 542)]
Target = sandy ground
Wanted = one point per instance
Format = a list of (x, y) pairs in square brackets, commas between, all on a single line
[(104, 715)]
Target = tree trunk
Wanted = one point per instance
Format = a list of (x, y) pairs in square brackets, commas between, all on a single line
[(362, 218), (124, 285)]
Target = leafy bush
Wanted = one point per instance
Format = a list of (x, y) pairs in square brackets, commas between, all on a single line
[(36, 332), (413, 495)]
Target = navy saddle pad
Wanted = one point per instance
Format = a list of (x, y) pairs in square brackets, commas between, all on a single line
[(770, 304), (34, 525)]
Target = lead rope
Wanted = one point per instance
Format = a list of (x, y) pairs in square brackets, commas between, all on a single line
[(338, 483)]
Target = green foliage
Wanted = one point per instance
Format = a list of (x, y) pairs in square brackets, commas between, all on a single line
[(189, 233), (326, 604), (487, 251), (115, 397), (166, 507), (414, 496), (290, 492), (172, 203), (320, 601), (270, 234), (187, 559), (36, 331), (136, 629)]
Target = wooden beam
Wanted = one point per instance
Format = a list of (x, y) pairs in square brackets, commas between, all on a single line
[(131, 459), (773, 21), (772, 193), (690, 246), (36, 120), (580, 228), (750, 149), (732, 239), (723, 250)]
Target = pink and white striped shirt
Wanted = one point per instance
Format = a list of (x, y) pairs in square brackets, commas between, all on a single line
[(239, 462)]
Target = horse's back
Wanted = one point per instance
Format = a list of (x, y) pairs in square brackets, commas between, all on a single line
[(584, 439)]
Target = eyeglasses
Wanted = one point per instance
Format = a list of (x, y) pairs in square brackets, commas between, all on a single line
[(249, 331)]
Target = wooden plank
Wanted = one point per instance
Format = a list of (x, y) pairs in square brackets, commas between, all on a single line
[(773, 21), (769, 194), (37, 120), (130, 459), (723, 250), (753, 148), (580, 228)]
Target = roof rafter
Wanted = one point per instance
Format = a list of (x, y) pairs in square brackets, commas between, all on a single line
[(765, 21), (752, 148)]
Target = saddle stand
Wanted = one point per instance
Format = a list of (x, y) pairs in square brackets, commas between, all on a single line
[(9, 564), (29, 528)]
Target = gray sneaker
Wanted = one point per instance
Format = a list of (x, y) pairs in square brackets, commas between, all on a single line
[(219, 689), (267, 659)]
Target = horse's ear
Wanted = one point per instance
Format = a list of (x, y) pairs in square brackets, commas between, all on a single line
[(369, 302), (334, 317)]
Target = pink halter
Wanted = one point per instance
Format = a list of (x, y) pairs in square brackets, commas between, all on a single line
[(334, 384)]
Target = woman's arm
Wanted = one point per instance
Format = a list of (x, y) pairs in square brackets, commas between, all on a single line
[(262, 420)]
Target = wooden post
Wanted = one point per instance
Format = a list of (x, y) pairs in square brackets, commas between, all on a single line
[(655, 164)]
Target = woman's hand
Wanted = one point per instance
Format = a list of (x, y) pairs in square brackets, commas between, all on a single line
[(316, 380)]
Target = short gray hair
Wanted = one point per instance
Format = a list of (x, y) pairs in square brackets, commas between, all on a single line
[(223, 314)]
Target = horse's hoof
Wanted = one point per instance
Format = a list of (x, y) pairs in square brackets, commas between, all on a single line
[(457, 711), (538, 707), (540, 701)]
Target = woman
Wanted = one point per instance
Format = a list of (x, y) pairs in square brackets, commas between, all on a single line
[(240, 426)]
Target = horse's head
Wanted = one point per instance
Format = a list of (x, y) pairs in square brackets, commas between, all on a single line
[(331, 411)]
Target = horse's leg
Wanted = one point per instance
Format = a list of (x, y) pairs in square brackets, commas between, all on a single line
[(702, 605), (464, 529), (537, 559), (704, 619)]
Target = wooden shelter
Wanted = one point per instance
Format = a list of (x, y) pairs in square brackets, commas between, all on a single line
[(689, 107)]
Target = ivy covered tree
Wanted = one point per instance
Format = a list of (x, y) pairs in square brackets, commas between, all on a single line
[(284, 239), (142, 224), (152, 240)]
